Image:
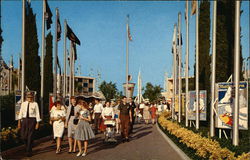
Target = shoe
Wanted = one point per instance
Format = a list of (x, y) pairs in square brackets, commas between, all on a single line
[(127, 139), (123, 140), (79, 154), (84, 154)]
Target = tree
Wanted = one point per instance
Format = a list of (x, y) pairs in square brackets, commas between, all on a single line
[(109, 90), (225, 40), (153, 93), (48, 71), (32, 59)]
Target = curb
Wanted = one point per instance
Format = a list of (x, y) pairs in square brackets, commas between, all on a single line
[(22, 147), (173, 145)]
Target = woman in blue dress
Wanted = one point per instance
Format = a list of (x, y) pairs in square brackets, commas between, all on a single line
[(83, 130)]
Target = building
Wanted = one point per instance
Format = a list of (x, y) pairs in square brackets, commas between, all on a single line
[(83, 85), (169, 86)]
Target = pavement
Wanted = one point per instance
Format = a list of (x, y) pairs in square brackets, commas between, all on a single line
[(146, 143)]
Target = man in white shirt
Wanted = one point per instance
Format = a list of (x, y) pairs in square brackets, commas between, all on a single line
[(97, 113), (28, 121)]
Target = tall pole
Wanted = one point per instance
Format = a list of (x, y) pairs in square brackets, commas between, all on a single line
[(187, 64), (213, 70), (73, 71), (65, 60), (70, 70), (42, 57), (18, 73), (10, 74), (197, 118), (180, 57), (55, 58), (127, 56), (236, 75), (23, 50), (174, 70)]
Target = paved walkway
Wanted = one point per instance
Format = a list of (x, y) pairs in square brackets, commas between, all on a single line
[(146, 143)]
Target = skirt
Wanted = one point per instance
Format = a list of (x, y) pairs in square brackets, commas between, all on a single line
[(83, 131), (71, 127), (58, 128)]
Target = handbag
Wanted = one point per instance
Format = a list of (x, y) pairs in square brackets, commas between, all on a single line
[(75, 121)]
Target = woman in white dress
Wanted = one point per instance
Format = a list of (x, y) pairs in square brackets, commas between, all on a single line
[(57, 116)]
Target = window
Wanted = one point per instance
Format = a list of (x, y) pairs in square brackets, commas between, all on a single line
[(90, 89), (90, 80), (85, 84)]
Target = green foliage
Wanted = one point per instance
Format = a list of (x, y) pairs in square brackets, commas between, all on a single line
[(48, 71), (109, 90), (153, 93), (7, 104), (32, 59)]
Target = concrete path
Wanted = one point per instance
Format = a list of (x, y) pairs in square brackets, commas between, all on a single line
[(146, 143)]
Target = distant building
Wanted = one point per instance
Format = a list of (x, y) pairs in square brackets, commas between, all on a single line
[(169, 86), (83, 85)]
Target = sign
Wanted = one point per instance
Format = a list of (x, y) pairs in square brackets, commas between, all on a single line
[(192, 105), (18, 102), (224, 107)]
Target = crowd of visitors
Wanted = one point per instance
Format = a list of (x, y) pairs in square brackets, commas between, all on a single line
[(81, 121)]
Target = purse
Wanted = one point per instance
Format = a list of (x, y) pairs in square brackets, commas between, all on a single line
[(75, 121)]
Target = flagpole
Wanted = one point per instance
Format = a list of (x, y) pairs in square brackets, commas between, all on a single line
[(187, 63), (213, 70), (236, 75), (197, 69), (55, 57), (180, 57), (65, 60), (23, 49), (73, 70), (18, 73), (127, 57), (174, 75), (70, 70), (42, 57)]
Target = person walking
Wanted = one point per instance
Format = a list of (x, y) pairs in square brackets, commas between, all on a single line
[(117, 120), (83, 130), (125, 117), (146, 113), (153, 110), (58, 116), (28, 121), (107, 114), (97, 114), (133, 107), (70, 116)]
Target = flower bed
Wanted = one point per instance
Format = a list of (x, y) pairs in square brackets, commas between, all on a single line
[(205, 148)]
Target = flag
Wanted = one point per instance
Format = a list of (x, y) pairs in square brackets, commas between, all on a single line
[(194, 3), (74, 49), (129, 35), (71, 36), (48, 15), (173, 41), (178, 40), (58, 63), (59, 28)]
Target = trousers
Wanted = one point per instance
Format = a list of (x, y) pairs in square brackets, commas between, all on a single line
[(124, 126), (27, 132), (97, 121)]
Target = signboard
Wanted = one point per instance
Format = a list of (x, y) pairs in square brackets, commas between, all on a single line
[(18, 102), (192, 105), (224, 107)]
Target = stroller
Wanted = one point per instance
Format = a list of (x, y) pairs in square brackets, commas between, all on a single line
[(109, 132)]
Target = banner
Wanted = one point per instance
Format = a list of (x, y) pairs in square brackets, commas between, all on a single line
[(224, 107), (192, 105), (18, 102)]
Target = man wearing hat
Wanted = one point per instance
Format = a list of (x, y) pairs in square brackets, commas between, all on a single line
[(28, 121)]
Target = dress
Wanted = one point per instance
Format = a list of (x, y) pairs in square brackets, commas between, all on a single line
[(58, 126), (153, 112), (83, 130), (146, 113)]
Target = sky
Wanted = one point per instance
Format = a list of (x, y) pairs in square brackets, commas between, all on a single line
[(101, 28)]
